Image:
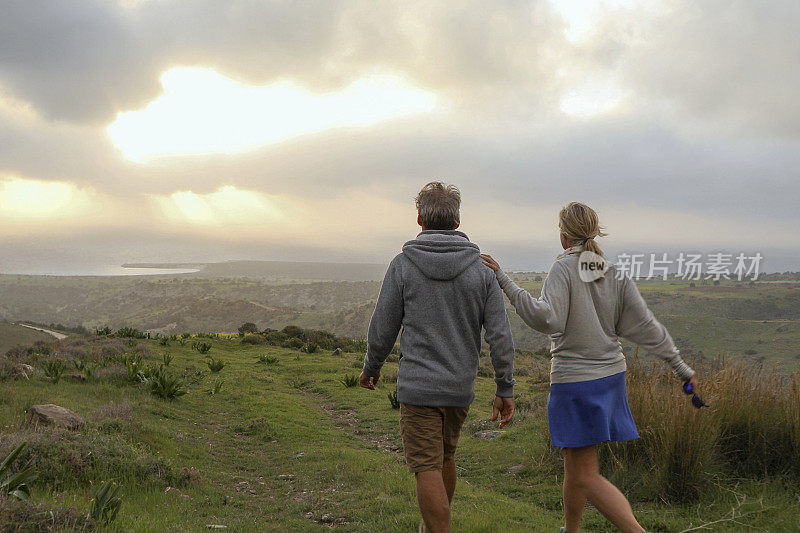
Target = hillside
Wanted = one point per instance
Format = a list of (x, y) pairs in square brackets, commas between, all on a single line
[(284, 445), (759, 322), (14, 334)]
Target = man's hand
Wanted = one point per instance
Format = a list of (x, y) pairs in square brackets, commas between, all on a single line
[(503, 407), (693, 381), (368, 382), (489, 261)]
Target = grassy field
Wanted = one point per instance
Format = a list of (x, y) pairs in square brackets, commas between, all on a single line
[(286, 446), (14, 334)]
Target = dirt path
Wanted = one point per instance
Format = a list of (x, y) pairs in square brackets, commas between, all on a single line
[(55, 334)]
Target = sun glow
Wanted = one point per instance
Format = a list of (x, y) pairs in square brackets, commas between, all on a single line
[(26, 199), (202, 112)]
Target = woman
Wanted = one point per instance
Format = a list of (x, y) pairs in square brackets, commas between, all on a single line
[(588, 402)]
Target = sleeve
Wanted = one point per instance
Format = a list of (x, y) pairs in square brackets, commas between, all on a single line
[(547, 314), (497, 332), (637, 323), (386, 320)]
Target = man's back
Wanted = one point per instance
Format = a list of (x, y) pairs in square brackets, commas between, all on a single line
[(441, 294)]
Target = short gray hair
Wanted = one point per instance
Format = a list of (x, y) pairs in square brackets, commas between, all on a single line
[(438, 205)]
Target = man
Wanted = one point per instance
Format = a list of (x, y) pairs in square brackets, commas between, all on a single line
[(441, 295)]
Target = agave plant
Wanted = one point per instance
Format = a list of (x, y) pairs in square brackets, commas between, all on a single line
[(216, 387), (215, 365), (163, 341), (349, 380), (133, 364), (267, 359), (203, 347), (106, 503), (16, 485), (166, 359), (393, 399), (166, 386), (53, 369)]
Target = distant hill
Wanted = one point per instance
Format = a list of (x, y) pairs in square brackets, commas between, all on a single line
[(286, 270)]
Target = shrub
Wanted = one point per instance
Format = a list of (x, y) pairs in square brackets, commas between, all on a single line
[(215, 365), (248, 327), (21, 516), (132, 333), (276, 338), (349, 380), (66, 459), (294, 343), (253, 338), (53, 369), (102, 331), (294, 331), (311, 347)]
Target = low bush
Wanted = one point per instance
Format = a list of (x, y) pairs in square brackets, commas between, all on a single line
[(254, 338), (63, 458), (53, 369), (18, 516)]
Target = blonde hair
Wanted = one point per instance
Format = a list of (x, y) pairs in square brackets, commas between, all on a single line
[(579, 223)]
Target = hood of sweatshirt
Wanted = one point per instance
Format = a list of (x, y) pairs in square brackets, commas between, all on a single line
[(441, 255)]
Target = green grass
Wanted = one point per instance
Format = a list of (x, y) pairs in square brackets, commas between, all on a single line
[(286, 447), (14, 335)]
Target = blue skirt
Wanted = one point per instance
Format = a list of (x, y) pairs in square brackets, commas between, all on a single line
[(590, 412)]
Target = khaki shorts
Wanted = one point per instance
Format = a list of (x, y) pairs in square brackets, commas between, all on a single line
[(430, 435)]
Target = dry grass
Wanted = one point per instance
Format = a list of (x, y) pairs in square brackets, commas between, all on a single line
[(112, 410), (751, 429)]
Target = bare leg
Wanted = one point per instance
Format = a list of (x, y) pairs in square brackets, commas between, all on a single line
[(574, 501), (449, 477), (433, 502), (583, 469)]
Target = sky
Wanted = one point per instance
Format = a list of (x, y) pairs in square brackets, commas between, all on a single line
[(165, 130)]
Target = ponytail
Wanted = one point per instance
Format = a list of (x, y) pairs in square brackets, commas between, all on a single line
[(580, 224)]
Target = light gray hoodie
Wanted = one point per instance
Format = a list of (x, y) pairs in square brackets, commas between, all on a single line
[(586, 319), (441, 295)]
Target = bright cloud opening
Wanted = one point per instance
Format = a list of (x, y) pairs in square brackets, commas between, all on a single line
[(203, 112), (25, 199), (224, 207)]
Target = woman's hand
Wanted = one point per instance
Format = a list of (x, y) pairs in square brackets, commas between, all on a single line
[(489, 261)]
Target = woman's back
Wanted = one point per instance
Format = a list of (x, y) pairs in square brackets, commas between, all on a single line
[(586, 318)]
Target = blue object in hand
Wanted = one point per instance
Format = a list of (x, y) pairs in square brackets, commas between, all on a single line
[(688, 388)]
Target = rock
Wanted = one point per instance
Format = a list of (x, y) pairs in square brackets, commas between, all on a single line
[(487, 434), (53, 415), (216, 526), (176, 492), (337, 352), (512, 470), (286, 477)]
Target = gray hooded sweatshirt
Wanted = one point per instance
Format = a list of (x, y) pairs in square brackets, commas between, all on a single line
[(441, 295)]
